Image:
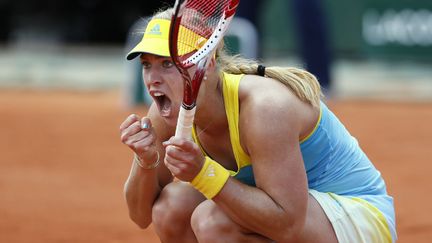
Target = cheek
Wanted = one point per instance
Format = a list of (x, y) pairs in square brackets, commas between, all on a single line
[(145, 77), (175, 84), (177, 87)]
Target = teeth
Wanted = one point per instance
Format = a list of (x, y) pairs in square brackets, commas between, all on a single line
[(157, 94)]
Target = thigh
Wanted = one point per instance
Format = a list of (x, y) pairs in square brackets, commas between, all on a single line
[(211, 224), (208, 217), (318, 228), (177, 200), (171, 213)]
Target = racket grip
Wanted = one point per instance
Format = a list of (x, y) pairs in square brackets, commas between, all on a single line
[(185, 123)]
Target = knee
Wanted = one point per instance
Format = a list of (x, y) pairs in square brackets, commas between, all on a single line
[(173, 209), (210, 223)]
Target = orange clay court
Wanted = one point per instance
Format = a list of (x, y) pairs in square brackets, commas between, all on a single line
[(62, 165)]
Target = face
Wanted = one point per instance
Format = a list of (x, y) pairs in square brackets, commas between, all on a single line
[(165, 85)]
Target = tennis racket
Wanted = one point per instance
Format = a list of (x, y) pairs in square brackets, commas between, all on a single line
[(197, 27)]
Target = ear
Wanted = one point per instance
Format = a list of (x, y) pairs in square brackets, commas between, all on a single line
[(212, 64)]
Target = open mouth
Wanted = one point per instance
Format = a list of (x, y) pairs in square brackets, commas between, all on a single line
[(163, 103)]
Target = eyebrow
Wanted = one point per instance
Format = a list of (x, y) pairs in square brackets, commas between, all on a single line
[(155, 56)]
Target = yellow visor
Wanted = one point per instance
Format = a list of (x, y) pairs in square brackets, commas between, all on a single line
[(155, 40)]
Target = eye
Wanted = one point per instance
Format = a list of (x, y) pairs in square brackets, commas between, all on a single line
[(146, 65), (167, 63)]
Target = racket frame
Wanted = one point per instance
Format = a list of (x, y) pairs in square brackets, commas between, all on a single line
[(201, 58)]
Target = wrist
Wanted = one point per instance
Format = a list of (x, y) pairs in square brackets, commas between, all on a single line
[(137, 160), (211, 178)]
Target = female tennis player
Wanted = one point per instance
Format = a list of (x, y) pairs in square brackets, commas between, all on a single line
[(268, 161)]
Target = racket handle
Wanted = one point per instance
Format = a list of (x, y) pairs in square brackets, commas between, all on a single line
[(185, 123)]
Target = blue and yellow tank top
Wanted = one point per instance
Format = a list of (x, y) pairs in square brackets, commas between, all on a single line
[(333, 159)]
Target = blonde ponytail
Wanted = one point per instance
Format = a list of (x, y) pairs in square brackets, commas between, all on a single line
[(304, 85)]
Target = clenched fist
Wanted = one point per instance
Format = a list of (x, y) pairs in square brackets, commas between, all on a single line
[(138, 134)]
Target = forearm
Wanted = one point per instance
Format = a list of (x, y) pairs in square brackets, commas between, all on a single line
[(141, 190), (254, 209)]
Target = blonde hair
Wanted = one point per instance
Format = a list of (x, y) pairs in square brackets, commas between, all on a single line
[(163, 14), (304, 84)]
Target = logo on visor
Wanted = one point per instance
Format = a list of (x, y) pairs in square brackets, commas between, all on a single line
[(155, 30)]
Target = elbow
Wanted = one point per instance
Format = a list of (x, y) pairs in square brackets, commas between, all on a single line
[(140, 218), (137, 212), (288, 238), (289, 235), (142, 222), (290, 231)]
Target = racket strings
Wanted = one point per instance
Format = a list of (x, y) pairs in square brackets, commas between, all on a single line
[(200, 19), (208, 10)]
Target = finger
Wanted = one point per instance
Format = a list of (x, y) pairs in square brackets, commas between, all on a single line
[(141, 142), (131, 130), (136, 138), (129, 120), (175, 166), (178, 155), (184, 144), (172, 151), (146, 123), (174, 170)]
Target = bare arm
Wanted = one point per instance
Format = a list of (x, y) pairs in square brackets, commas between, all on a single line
[(272, 120), (276, 208), (143, 185)]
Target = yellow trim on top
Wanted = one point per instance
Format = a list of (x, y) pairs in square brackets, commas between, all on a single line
[(231, 84), (196, 140), (315, 128)]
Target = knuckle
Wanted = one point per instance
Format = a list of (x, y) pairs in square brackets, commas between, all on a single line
[(133, 116), (130, 144), (170, 150), (134, 146), (182, 143), (124, 138), (129, 120), (135, 127)]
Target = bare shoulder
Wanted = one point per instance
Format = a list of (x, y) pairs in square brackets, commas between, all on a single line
[(268, 101), (270, 95)]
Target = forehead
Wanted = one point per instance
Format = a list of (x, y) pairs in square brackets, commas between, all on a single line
[(149, 56)]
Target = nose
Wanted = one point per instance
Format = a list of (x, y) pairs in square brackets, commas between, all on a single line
[(151, 77)]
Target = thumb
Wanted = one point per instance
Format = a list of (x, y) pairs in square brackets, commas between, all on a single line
[(146, 123)]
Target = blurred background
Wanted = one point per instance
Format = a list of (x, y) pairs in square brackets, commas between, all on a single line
[(366, 37), (65, 87)]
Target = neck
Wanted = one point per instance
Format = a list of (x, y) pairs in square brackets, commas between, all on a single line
[(210, 117)]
